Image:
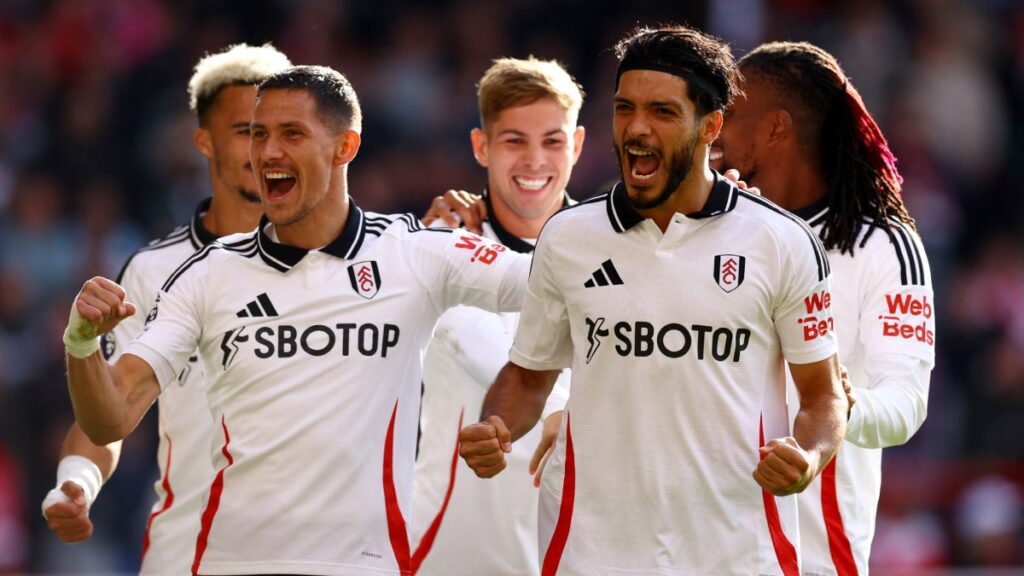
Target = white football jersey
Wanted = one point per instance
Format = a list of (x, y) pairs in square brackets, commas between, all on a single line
[(677, 343), (468, 349), (313, 367), (184, 423), (884, 311)]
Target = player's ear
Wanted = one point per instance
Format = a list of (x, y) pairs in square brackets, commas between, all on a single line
[(346, 147), (711, 126), (479, 139), (203, 141), (780, 125), (578, 137)]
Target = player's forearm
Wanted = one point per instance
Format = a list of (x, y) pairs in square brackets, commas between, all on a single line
[(518, 397), (106, 457), (820, 425), (101, 409), (894, 407)]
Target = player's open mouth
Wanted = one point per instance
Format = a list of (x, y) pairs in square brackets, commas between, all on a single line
[(531, 184), (278, 183), (643, 164), (715, 156)]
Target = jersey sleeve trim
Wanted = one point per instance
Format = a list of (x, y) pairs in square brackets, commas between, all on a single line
[(819, 251)]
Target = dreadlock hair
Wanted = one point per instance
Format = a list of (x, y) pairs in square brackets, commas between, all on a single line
[(863, 183)]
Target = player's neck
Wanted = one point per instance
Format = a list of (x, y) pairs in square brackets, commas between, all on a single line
[(231, 216), (526, 228), (691, 196), (320, 226), (797, 186)]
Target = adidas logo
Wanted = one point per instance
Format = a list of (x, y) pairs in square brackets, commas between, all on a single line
[(605, 275), (258, 308)]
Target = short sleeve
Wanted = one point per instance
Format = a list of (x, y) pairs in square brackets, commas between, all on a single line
[(897, 303), (803, 312), (543, 339), (459, 267), (174, 323)]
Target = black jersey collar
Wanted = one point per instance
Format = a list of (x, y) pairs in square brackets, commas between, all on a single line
[(623, 216), (197, 232), (283, 257), (504, 236), (815, 213)]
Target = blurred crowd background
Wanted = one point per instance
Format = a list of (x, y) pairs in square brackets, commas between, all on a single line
[(96, 158)]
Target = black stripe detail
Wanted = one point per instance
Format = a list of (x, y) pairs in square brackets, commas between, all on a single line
[(600, 278), (198, 256), (242, 313), (198, 233), (589, 283), (620, 211), (245, 247), (254, 309), (613, 274), (264, 301), (911, 257), (150, 248), (909, 254), (824, 270)]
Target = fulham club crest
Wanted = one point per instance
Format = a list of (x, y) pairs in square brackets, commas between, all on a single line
[(729, 270), (365, 277)]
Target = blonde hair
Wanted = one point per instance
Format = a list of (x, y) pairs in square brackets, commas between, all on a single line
[(236, 65), (512, 82)]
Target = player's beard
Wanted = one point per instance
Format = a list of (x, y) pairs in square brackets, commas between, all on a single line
[(250, 196), (678, 166)]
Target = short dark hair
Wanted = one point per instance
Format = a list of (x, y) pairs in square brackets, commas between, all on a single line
[(336, 101), (704, 61)]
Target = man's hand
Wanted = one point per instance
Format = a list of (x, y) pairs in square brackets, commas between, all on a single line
[(785, 467), (98, 308), (848, 390), (734, 175), (68, 515), (457, 207), (483, 446), (546, 446)]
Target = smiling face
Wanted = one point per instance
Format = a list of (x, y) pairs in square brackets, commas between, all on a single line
[(224, 139), (656, 135), (293, 154), (529, 152)]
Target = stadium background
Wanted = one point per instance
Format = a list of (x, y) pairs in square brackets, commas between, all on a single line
[(96, 157)]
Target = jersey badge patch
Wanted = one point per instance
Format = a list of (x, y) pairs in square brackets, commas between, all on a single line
[(729, 270), (365, 277)]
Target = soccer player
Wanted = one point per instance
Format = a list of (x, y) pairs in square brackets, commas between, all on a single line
[(222, 92), (310, 330), (676, 298), (803, 135), (528, 141)]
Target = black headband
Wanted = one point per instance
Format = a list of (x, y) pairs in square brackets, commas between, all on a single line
[(691, 78)]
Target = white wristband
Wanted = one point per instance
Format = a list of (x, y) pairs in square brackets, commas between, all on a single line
[(80, 338), (81, 471)]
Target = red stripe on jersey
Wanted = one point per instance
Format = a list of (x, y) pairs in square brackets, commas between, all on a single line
[(408, 565), (427, 541), (561, 534), (396, 523), (838, 543), (168, 500), (784, 550), (213, 503)]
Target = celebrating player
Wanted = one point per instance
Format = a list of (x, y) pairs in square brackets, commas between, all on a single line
[(675, 298), (222, 93)]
